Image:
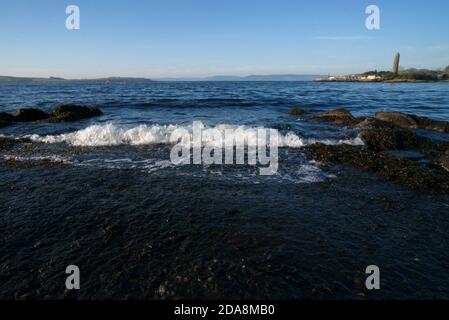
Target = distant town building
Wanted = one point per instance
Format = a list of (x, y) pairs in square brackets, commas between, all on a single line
[(397, 57)]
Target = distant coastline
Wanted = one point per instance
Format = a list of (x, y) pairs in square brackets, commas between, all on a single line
[(274, 77), (396, 75), (384, 81), (10, 79)]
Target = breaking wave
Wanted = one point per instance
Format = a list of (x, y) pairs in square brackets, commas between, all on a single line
[(110, 135)]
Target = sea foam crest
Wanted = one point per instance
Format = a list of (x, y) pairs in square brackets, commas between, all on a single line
[(110, 135)]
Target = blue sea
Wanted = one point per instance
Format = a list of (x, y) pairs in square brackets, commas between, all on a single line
[(105, 197)]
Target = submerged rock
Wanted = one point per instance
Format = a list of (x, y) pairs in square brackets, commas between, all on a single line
[(386, 166), (410, 121), (30, 114), (4, 123), (62, 113), (413, 155), (443, 161), (381, 139), (6, 143), (296, 112), (72, 112), (371, 122), (429, 124), (6, 117), (339, 116)]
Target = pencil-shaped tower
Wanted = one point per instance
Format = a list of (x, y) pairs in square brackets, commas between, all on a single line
[(397, 57)]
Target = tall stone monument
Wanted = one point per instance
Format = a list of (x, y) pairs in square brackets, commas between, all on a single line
[(397, 57)]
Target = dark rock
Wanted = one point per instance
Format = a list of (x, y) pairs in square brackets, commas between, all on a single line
[(72, 112), (394, 139), (6, 117), (401, 120), (29, 163), (412, 155), (296, 112), (370, 122), (28, 115), (108, 230), (410, 121), (4, 123), (339, 117), (233, 212), (6, 143), (442, 146), (429, 124), (386, 166), (443, 161)]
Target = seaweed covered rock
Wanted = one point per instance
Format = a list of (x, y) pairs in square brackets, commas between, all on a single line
[(4, 123), (429, 124), (371, 122), (72, 112), (443, 161), (388, 167), (6, 117), (410, 121), (6, 143), (296, 112), (381, 139), (399, 119), (29, 114), (339, 117)]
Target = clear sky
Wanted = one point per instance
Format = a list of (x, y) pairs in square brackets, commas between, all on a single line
[(167, 38)]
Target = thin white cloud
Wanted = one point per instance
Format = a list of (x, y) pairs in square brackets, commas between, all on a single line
[(437, 48), (343, 38)]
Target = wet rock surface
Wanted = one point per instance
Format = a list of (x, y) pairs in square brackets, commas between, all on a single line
[(4, 123), (176, 238), (29, 115), (429, 124), (381, 139), (61, 113), (397, 118), (6, 143), (6, 117), (296, 112), (384, 120), (386, 166), (338, 117), (410, 121), (72, 112), (443, 160), (387, 133)]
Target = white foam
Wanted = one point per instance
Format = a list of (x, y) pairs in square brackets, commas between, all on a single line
[(148, 165), (36, 158), (110, 135), (311, 173)]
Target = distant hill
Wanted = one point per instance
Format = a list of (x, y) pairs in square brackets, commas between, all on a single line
[(272, 77), (4, 79), (7, 79)]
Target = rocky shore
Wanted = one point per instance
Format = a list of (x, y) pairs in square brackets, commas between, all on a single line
[(393, 150), (61, 113)]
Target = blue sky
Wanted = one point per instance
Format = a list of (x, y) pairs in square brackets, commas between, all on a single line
[(168, 38)]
